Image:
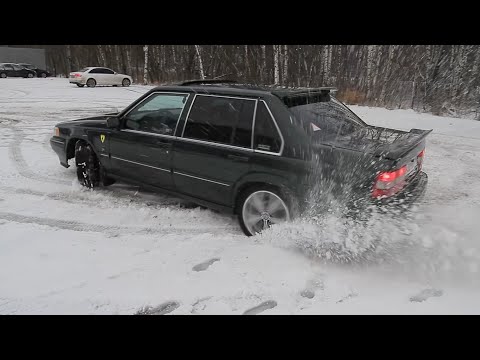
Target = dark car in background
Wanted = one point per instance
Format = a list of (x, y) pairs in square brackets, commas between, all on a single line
[(15, 70), (249, 150), (40, 72)]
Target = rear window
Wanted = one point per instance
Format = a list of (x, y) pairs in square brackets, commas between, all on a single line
[(327, 118), (83, 70)]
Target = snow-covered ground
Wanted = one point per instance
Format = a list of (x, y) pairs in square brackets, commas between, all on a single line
[(120, 250)]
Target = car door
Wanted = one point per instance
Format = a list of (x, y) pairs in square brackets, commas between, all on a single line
[(96, 74), (9, 70), (109, 77), (19, 71), (215, 148), (141, 150)]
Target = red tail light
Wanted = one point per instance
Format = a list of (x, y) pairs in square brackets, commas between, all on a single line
[(390, 182), (420, 158), (77, 75)]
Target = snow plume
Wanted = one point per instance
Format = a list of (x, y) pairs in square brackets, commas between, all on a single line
[(419, 241), (410, 244)]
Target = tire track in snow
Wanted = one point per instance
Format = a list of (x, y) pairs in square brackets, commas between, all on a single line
[(108, 198), (85, 227), (21, 165)]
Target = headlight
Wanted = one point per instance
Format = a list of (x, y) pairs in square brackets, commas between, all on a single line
[(56, 131)]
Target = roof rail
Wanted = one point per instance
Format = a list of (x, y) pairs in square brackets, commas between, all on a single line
[(313, 90), (207, 81)]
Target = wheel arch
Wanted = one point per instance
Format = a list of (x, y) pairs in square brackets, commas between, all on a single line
[(70, 150), (258, 179)]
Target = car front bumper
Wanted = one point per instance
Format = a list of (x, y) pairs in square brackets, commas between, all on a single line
[(58, 145)]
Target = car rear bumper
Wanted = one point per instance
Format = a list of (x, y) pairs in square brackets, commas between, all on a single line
[(59, 146)]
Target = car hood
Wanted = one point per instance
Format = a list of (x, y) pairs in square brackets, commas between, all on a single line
[(94, 121)]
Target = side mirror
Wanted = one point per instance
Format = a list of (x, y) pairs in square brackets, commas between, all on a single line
[(113, 122)]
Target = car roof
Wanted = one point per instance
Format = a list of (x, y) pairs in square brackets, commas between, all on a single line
[(233, 88)]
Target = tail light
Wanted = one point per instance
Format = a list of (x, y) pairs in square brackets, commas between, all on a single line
[(77, 75), (56, 131), (420, 158), (389, 183)]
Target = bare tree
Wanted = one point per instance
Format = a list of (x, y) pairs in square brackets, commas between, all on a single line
[(200, 62), (276, 64), (285, 65), (145, 67)]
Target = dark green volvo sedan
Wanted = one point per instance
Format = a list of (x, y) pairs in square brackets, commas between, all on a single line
[(255, 151)]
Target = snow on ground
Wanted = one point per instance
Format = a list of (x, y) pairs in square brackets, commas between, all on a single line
[(120, 250)]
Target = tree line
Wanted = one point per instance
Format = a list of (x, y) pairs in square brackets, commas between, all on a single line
[(441, 79)]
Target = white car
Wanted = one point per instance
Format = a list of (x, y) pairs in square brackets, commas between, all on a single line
[(93, 76)]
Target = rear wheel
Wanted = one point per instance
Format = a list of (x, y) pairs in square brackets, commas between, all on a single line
[(30, 75), (88, 167), (43, 75), (3, 75), (261, 206), (80, 85), (91, 83), (126, 82)]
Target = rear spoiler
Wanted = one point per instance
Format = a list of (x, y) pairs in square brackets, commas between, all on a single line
[(403, 148)]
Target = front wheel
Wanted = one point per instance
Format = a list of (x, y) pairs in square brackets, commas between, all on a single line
[(3, 75), (43, 75), (30, 75), (88, 167), (262, 206), (126, 82)]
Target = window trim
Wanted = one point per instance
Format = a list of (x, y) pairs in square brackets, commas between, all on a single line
[(145, 99), (278, 130), (205, 142), (212, 142)]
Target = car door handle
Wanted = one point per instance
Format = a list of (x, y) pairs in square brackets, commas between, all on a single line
[(238, 158)]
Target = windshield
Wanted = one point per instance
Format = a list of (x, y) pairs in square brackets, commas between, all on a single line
[(328, 119)]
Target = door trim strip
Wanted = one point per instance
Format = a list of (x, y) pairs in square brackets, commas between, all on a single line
[(137, 163)]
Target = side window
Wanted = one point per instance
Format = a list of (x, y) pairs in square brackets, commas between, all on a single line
[(221, 120), (95, 71), (107, 71), (8, 67), (266, 136), (16, 67), (158, 114)]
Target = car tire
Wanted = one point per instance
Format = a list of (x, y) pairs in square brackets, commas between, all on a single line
[(281, 203), (91, 83), (88, 166), (126, 82), (3, 75), (80, 85), (43, 75), (29, 75)]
